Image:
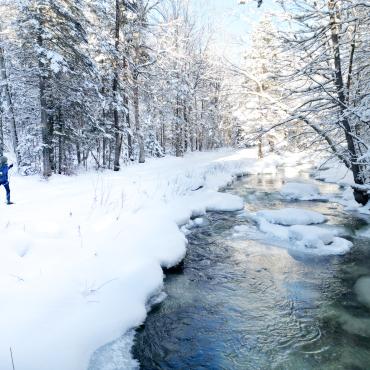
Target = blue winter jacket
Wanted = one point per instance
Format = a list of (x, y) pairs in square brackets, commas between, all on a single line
[(4, 173)]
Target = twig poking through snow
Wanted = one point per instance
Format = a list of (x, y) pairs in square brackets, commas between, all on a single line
[(11, 356), (92, 290)]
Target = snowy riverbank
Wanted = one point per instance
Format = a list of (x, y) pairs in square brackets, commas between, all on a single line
[(80, 255)]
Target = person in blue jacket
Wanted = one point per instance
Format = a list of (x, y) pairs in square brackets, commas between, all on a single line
[(4, 180)]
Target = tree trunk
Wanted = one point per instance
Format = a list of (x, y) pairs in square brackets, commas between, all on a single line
[(178, 130), (360, 196), (130, 151), (51, 146), (60, 142), (139, 133), (9, 101), (60, 154), (78, 150), (116, 125), (117, 141), (104, 149), (1, 132), (260, 151), (185, 143), (45, 121), (163, 137)]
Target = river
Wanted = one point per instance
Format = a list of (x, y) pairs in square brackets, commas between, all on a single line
[(247, 303)]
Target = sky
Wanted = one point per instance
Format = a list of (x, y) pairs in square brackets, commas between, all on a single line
[(232, 22)]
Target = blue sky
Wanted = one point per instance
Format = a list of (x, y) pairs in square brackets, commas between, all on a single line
[(233, 22)]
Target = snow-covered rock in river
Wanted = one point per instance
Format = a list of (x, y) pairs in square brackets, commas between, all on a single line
[(291, 216), (294, 226), (311, 236), (199, 221), (319, 238), (277, 231), (301, 191)]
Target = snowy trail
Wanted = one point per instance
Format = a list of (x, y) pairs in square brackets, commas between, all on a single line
[(80, 255)]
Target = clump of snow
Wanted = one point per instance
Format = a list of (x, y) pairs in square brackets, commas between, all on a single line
[(300, 191), (311, 236), (199, 221), (295, 227), (292, 216), (339, 246), (362, 289), (319, 238), (278, 231), (185, 230)]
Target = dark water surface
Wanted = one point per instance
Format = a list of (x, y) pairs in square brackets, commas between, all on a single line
[(243, 303)]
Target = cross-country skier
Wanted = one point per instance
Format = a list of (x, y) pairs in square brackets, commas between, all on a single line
[(4, 180)]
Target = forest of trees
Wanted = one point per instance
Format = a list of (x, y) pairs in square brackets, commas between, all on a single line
[(307, 78), (107, 82)]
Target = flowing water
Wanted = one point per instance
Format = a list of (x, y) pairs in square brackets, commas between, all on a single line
[(244, 303)]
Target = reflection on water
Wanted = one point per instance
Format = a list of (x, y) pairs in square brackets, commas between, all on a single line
[(243, 304)]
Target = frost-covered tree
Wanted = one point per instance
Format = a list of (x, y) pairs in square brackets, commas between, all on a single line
[(321, 79), (326, 70), (104, 82), (257, 88)]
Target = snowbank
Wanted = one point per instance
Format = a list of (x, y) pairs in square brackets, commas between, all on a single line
[(300, 191), (337, 173), (292, 216), (80, 256)]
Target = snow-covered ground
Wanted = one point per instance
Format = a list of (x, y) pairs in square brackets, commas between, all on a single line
[(334, 171), (80, 256)]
